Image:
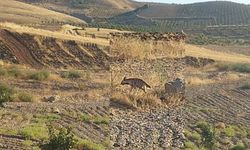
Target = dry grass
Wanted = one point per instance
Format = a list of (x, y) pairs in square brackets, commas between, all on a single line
[(15, 11), (229, 76), (137, 100), (96, 94), (218, 56), (198, 81), (54, 34), (146, 49)]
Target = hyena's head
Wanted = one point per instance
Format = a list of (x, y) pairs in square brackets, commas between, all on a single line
[(124, 81)]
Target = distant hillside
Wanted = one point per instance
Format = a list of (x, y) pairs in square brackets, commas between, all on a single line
[(187, 16), (18, 12), (88, 9)]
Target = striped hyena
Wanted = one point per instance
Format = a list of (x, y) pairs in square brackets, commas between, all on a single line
[(135, 83)]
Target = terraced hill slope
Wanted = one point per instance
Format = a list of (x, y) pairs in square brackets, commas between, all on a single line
[(189, 15), (41, 51), (18, 12)]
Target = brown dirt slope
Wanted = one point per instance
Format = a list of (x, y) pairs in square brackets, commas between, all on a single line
[(19, 12), (39, 51)]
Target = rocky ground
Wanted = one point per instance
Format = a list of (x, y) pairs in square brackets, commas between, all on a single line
[(153, 129)]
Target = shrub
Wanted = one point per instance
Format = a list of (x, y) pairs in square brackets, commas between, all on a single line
[(14, 71), (72, 74), (40, 76), (195, 136), (6, 94), (24, 97), (229, 131), (64, 140), (207, 135)]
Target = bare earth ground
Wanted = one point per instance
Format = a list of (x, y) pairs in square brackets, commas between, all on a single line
[(81, 104)]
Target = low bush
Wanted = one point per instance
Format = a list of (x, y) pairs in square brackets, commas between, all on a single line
[(14, 72), (72, 74), (62, 140), (6, 94), (24, 97), (40, 76), (229, 131), (207, 135)]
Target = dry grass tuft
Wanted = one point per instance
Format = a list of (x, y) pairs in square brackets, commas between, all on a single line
[(136, 100), (198, 81), (122, 99)]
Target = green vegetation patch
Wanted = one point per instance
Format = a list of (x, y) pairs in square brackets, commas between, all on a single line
[(6, 94), (8, 131), (25, 97), (238, 67), (40, 76), (45, 118), (190, 145), (239, 146), (90, 145), (14, 72), (37, 131), (60, 140), (73, 74), (94, 119), (229, 131), (27, 143), (101, 120)]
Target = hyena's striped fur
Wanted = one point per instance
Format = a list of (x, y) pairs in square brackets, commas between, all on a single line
[(135, 83)]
